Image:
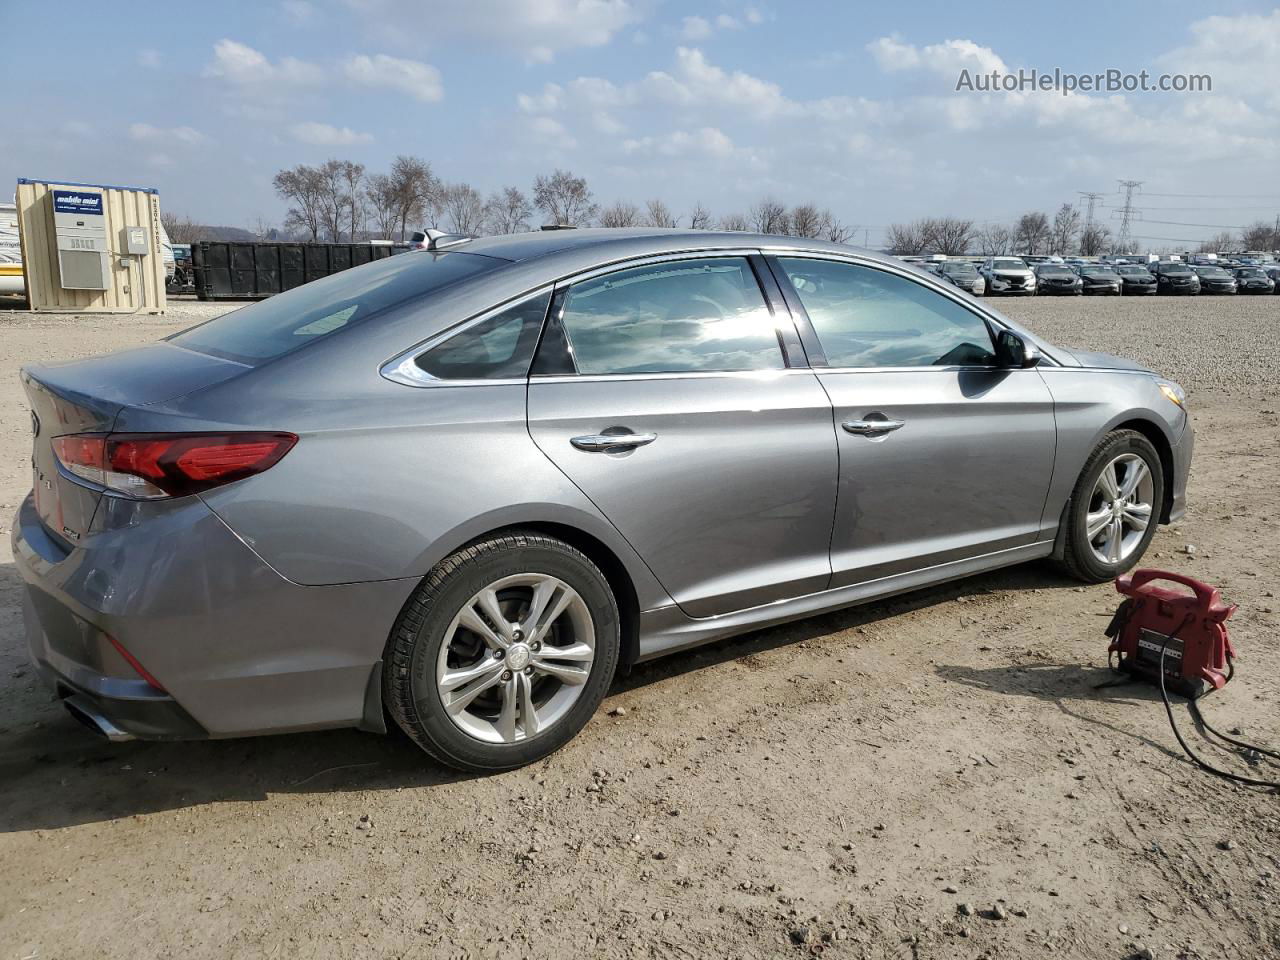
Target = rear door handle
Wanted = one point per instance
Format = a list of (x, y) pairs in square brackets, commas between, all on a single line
[(872, 428), (606, 442)]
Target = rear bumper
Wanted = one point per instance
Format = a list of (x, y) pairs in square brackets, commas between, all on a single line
[(238, 649)]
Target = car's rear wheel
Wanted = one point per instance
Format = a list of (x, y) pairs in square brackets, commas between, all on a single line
[(1115, 508), (503, 653)]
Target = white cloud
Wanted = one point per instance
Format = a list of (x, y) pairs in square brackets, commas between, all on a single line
[(726, 22), (146, 132), (539, 29), (419, 80), (695, 28), (298, 11), (151, 59), (159, 160), (326, 135), (242, 64), (949, 57), (1241, 54), (707, 141)]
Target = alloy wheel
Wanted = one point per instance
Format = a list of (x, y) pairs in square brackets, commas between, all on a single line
[(515, 658), (1120, 508)]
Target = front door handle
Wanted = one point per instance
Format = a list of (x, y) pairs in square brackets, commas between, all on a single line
[(609, 442), (872, 428)]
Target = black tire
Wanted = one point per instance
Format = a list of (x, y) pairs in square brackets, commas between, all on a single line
[(1079, 559), (410, 692)]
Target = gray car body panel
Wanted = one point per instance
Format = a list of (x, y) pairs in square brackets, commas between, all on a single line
[(265, 604)]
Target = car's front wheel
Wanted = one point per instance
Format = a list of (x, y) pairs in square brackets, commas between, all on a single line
[(1115, 508), (503, 653)]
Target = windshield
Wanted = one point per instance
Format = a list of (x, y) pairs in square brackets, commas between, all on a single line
[(1097, 272), (271, 328), (1250, 272), (959, 268), (1008, 265), (1133, 271), (1054, 271), (1216, 272)]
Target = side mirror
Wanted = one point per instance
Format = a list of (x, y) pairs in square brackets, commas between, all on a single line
[(1013, 351)]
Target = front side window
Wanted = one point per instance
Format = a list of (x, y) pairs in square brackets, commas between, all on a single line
[(871, 318), (705, 315), (499, 347)]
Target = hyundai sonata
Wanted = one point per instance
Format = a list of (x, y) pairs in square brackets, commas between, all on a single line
[(459, 489)]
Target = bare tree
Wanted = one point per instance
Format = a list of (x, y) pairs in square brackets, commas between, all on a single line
[(179, 227), (1260, 235), (357, 212), (699, 218), (303, 188), (416, 191), (808, 221), (1218, 243), (508, 211), (1032, 232), (835, 231), (383, 204), (735, 222), (564, 198), (995, 240), (1094, 239), (657, 214), (950, 235), (620, 214), (770, 216), (905, 239), (1066, 224), (463, 209)]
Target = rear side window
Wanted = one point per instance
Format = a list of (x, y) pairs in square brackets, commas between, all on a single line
[(705, 315), (499, 347), (271, 328), (871, 318)]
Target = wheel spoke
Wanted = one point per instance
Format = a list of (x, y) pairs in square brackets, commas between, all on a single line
[(551, 598), (575, 676), (1109, 483), (1137, 515), (463, 697), (1115, 536), (487, 603), (1134, 475), (578, 652), (453, 679), (528, 712), (507, 718), (1096, 522)]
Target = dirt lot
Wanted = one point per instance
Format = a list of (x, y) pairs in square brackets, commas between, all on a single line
[(856, 781)]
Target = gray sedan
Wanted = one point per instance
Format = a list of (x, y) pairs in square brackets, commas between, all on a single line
[(459, 489)]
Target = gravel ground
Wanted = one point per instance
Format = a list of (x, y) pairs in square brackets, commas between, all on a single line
[(931, 777)]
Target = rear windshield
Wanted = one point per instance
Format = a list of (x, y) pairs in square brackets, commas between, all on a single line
[(271, 328)]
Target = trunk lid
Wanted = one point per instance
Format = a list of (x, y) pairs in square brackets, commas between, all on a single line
[(86, 396)]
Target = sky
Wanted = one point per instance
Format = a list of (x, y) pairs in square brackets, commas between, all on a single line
[(852, 106)]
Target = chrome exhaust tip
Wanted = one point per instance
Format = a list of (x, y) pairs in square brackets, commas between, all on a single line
[(84, 711)]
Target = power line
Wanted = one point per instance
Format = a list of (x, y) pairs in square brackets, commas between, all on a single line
[(1218, 196)]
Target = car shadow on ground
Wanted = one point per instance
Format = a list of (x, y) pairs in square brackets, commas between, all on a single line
[(56, 773)]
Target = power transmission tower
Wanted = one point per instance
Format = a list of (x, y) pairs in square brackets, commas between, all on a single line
[(1127, 213), (1092, 198)]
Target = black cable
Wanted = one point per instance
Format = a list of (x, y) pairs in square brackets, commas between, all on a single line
[(1168, 708), (1194, 707)]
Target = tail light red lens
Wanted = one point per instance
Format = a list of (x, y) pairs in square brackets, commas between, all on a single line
[(150, 466)]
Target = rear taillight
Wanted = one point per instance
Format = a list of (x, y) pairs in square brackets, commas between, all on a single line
[(149, 466)]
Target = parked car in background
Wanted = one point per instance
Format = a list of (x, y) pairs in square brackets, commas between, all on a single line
[(1099, 279), (1007, 276), (453, 488), (1214, 279), (1272, 270), (1056, 279), (1254, 280), (1174, 277), (1136, 279), (964, 275)]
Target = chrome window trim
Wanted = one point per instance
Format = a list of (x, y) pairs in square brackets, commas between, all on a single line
[(403, 367), (674, 375), (926, 281)]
